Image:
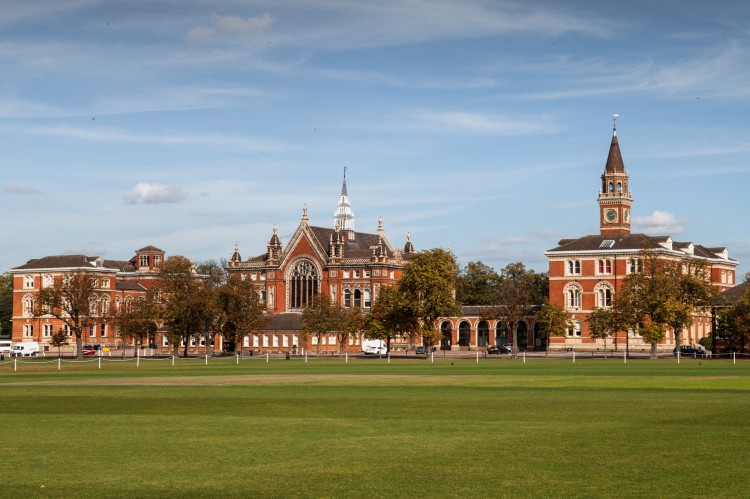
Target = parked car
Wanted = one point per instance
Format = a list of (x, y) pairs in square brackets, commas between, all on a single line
[(497, 349), (421, 350), (731, 349), (88, 350), (690, 351)]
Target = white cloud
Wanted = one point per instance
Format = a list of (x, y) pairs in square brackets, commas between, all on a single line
[(21, 189), (155, 194), (659, 223)]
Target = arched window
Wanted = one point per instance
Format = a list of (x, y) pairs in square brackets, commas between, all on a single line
[(347, 298), (483, 334), (619, 186), (604, 296), (501, 333), (573, 294), (368, 298), (357, 298), (303, 282), (611, 187), (464, 334), (28, 306)]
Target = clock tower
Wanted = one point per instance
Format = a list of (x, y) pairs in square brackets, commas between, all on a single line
[(615, 199)]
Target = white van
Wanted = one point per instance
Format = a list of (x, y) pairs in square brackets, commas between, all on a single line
[(26, 349), (5, 346), (374, 347)]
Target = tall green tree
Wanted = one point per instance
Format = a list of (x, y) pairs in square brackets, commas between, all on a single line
[(74, 298), (393, 314), (429, 283), (518, 291), (603, 322), (553, 321), (6, 304), (242, 311), (319, 318), (137, 320), (737, 321), (352, 324), (184, 301), (476, 284)]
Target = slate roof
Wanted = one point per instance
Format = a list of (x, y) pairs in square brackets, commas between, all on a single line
[(149, 248), (62, 262), (731, 295), (129, 286), (287, 321), (635, 242)]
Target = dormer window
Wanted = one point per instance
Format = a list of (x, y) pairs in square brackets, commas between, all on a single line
[(143, 261), (28, 282)]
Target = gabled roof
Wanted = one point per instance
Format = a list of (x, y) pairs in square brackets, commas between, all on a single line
[(730, 296), (359, 247)]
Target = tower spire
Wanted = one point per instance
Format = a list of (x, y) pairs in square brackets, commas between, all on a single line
[(615, 199), (343, 217)]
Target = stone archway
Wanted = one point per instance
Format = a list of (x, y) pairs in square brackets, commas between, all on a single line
[(446, 338), (483, 334), (464, 334)]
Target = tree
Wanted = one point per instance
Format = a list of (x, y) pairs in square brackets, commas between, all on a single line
[(75, 300), (185, 307), (553, 321), (393, 314), (738, 320), (242, 311), (352, 322), (320, 317), (603, 322), (429, 283), (59, 340), (211, 276), (476, 284), (518, 290), (6, 303), (692, 291), (136, 320)]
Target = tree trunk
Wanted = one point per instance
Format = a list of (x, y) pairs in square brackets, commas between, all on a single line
[(79, 345), (514, 350), (677, 339), (207, 337), (653, 350)]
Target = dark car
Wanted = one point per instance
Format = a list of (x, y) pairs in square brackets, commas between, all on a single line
[(497, 349), (421, 350), (687, 350), (88, 350)]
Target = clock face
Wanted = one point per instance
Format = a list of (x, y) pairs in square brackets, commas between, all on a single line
[(611, 215)]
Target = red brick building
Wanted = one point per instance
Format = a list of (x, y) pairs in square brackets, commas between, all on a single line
[(587, 272), (349, 266), (118, 282)]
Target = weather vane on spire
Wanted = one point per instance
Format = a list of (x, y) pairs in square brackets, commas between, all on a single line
[(614, 121)]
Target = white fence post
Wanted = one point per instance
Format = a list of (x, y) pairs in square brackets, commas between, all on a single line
[(172, 360), (266, 357), (238, 358), (100, 362), (58, 363), (524, 356), (477, 356)]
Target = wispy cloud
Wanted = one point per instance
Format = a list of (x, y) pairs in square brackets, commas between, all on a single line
[(155, 194), (21, 189), (103, 134), (231, 26)]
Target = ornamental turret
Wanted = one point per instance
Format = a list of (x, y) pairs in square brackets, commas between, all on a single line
[(343, 218)]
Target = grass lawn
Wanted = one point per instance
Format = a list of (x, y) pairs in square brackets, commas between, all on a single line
[(368, 428)]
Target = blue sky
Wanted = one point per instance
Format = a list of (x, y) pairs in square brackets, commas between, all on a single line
[(482, 126)]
